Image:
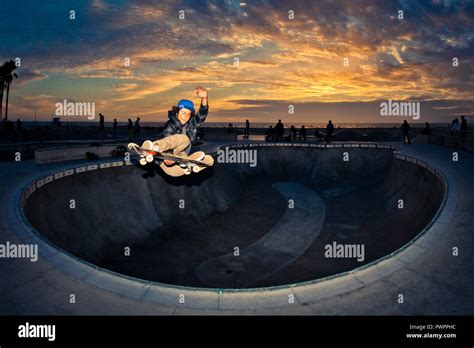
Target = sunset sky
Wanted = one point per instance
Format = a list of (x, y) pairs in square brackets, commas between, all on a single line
[(282, 61)]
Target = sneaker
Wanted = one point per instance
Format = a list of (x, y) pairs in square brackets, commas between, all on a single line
[(147, 145), (197, 156), (156, 148)]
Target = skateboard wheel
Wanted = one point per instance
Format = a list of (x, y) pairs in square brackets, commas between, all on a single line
[(195, 169), (143, 161), (149, 158), (187, 171)]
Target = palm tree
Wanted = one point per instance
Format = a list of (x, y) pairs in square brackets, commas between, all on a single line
[(6, 78)]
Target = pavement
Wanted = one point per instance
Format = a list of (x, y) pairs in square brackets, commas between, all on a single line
[(432, 274)]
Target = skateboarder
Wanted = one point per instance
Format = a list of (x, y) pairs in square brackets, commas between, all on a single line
[(180, 132)]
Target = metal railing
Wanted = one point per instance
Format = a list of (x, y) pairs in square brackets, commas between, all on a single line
[(456, 139)]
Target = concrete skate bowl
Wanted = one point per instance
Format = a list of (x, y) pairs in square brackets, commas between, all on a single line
[(235, 226)]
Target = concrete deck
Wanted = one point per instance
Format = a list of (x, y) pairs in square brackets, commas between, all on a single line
[(430, 278)]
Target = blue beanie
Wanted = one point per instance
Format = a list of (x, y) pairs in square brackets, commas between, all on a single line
[(187, 104)]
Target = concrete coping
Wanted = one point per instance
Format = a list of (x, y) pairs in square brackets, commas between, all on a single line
[(76, 146), (251, 298)]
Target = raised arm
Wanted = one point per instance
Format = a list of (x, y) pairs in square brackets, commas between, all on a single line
[(202, 93), (204, 107)]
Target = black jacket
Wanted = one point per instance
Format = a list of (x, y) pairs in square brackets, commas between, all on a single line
[(173, 126)]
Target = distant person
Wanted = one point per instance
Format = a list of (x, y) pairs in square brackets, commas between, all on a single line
[(137, 128), (292, 133), (230, 130), (279, 131), (56, 121), (19, 130), (454, 124), (130, 129), (101, 122), (426, 130), (270, 134), (329, 131), (405, 132), (115, 128), (303, 133), (463, 124), (247, 129), (455, 131), (463, 130)]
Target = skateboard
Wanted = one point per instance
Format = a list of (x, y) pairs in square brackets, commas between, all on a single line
[(183, 165)]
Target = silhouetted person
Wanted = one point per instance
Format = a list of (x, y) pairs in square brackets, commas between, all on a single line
[(463, 130), (230, 130), (455, 131), (279, 131), (271, 134), (137, 128), (19, 130), (247, 129), (329, 131), (303, 133), (101, 122), (426, 130), (130, 129), (317, 134), (292, 133), (115, 128), (463, 124), (405, 132), (454, 124)]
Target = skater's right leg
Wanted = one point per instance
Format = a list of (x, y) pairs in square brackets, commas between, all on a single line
[(178, 143)]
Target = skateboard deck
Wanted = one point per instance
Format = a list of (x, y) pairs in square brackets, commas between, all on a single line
[(183, 165)]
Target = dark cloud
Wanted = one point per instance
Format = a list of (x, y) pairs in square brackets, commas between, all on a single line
[(117, 27), (212, 48), (27, 75)]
